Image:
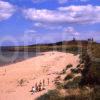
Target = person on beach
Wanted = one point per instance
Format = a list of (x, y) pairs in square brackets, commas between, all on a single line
[(43, 85), (43, 82), (36, 86), (40, 86), (33, 89), (48, 81)]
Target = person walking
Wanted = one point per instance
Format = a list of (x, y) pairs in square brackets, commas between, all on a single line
[(33, 89), (43, 85), (36, 86), (48, 81), (40, 86)]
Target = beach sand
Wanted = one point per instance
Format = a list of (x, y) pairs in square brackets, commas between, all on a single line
[(32, 71)]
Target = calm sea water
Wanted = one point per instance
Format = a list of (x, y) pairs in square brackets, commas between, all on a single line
[(13, 57)]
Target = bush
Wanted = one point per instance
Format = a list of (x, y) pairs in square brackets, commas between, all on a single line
[(79, 97), (63, 71), (70, 84), (75, 70), (69, 66), (21, 82), (50, 95), (60, 86), (97, 92), (77, 79), (69, 76), (78, 65)]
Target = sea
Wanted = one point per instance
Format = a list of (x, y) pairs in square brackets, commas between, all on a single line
[(9, 57)]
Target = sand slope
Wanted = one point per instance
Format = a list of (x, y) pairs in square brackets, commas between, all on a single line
[(31, 71)]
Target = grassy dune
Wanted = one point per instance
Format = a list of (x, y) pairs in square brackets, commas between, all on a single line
[(88, 86)]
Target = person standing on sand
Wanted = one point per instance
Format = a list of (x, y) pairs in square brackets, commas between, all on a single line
[(33, 89), (48, 81), (36, 86), (40, 86), (43, 84)]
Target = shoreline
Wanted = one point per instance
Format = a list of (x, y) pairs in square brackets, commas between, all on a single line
[(19, 58)]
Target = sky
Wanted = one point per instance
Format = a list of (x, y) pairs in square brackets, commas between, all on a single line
[(26, 22)]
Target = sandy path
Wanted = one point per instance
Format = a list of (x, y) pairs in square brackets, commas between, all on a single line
[(32, 70)]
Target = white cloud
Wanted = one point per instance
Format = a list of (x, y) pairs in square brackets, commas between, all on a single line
[(70, 30), (48, 26), (6, 10), (69, 14), (42, 15)]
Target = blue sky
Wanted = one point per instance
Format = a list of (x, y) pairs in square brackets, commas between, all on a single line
[(24, 22)]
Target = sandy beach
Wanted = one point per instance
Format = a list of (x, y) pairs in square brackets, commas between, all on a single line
[(32, 71)]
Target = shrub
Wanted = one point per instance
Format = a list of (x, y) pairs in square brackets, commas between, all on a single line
[(70, 84), (50, 95), (63, 71), (60, 86), (69, 66), (75, 70), (77, 79), (69, 76), (21, 82), (78, 65)]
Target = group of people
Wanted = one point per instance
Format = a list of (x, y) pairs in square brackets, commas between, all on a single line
[(40, 86)]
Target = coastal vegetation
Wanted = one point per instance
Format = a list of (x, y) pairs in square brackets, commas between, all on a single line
[(87, 84)]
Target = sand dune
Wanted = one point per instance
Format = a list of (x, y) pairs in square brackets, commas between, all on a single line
[(31, 71)]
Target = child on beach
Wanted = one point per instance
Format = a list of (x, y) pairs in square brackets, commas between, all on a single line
[(33, 89)]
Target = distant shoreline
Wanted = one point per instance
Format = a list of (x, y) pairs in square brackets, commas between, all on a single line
[(47, 47)]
